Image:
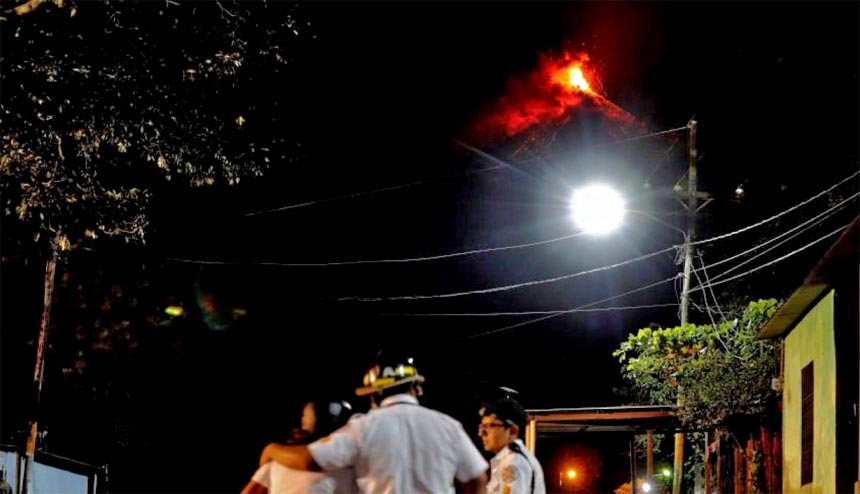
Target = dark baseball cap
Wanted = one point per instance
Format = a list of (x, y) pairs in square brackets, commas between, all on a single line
[(507, 410)]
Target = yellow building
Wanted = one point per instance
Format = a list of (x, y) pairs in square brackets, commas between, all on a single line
[(819, 327)]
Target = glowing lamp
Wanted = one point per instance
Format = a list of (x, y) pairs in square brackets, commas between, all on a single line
[(597, 209)]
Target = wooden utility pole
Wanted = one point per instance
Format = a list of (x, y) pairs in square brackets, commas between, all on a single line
[(692, 205), (38, 376), (689, 238)]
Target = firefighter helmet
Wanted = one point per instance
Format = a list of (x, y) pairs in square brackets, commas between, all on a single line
[(384, 375)]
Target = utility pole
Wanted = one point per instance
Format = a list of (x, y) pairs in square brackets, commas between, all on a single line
[(691, 220), (39, 375), (689, 238)]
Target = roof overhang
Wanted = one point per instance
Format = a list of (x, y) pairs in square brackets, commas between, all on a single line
[(792, 311), (839, 263), (606, 419)]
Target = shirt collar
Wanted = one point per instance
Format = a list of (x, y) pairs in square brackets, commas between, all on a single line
[(397, 399), (506, 451)]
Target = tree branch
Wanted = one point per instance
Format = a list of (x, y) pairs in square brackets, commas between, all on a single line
[(224, 10), (59, 149), (25, 8)]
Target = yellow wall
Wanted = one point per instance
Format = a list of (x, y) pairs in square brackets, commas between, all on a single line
[(811, 340)]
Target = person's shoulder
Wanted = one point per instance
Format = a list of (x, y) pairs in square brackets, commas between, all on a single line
[(509, 459), (442, 417), (356, 420), (525, 461)]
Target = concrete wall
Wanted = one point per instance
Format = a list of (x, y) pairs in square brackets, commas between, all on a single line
[(811, 340)]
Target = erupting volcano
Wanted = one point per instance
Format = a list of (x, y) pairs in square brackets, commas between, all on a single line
[(538, 103)]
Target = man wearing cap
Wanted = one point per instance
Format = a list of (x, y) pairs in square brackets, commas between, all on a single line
[(514, 469), (399, 447)]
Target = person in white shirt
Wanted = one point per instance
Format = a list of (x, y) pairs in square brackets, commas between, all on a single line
[(399, 447), (514, 469), (319, 418)]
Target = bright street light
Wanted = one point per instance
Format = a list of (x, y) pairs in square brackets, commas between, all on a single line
[(597, 209), (571, 474), (646, 487), (666, 472)]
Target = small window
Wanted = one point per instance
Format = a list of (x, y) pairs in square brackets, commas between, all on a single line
[(807, 419)]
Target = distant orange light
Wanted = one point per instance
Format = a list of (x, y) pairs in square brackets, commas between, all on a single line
[(571, 474), (577, 79)]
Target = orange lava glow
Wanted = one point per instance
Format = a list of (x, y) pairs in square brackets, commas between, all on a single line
[(549, 95)]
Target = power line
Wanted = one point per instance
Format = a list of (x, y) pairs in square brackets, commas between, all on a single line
[(660, 160), (824, 214), (518, 285), (490, 249), (575, 309), (707, 307), (499, 164), (840, 229), (708, 281), (332, 199), (716, 303), (547, 156), (524, 313), (389, 261), (698, 288), (365, 193), (506, 287), (498, 161), (710, 314), (750, 227), (733, 268), (653, 134), (603, 268)]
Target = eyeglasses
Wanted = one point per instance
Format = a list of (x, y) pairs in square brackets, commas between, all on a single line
[(486, 427)]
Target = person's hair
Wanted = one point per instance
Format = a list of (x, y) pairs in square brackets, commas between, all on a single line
[(509, 411), (299, 436), (330, 415)]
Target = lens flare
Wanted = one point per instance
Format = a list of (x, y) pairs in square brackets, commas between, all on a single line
[(174, 310)]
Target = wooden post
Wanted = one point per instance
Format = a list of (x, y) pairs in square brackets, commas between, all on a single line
[(531, 435), (689, 246), (707, 463), (719, 467), (649, 456), (777, 464), (767, 453), (748, 460), (632, 464), (737, 478)]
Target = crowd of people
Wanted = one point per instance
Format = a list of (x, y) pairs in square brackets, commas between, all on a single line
[(399, 446)]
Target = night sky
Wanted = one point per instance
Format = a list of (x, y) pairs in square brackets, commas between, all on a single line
[(380, 99)]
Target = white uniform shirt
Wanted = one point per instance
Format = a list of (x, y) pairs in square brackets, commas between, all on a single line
[(402, 448), (284, 480), (511, 473)]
